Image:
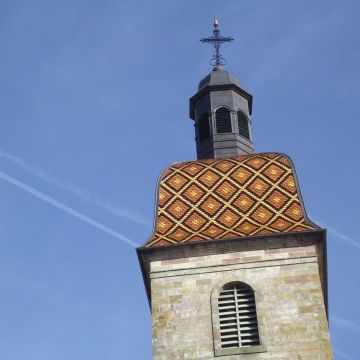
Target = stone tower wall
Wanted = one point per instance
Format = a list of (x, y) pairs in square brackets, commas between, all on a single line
[(289, 300)]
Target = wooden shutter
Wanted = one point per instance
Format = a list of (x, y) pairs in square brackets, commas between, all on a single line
[(243, 123), (204, 127), (237, 313), (223, 120)]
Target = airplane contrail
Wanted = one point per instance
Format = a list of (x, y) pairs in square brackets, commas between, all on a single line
[(337, 233), (343, 355), (66, 208), (346, 323), (84, 195)]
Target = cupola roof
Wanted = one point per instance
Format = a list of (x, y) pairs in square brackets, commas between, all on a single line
[(219, 76)]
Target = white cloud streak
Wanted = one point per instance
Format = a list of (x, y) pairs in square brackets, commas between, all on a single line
[(84, 195), (344, 237), (343, 355), (346, 323), (338, 234), (67, 209)]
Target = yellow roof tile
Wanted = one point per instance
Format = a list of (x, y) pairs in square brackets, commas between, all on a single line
[(228, 198)]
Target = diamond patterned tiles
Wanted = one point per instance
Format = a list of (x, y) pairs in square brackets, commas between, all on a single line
[(228, 198)]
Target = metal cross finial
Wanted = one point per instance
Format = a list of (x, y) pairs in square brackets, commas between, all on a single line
[(217, 40)]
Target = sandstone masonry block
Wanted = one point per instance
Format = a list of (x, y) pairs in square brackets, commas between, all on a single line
[(290, 308)]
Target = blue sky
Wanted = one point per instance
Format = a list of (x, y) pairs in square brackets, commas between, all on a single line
[(93, 106)]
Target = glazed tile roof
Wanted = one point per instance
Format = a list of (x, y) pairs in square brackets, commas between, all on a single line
[(228, 198)]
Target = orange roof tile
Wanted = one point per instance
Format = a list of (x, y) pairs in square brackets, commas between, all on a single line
[(228, 198)]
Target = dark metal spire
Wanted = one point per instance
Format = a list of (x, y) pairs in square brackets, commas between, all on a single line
[(217, 40)]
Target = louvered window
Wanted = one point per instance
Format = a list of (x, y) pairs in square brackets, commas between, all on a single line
[(204, 127), (237, 315), (243, 123), (223, 120)]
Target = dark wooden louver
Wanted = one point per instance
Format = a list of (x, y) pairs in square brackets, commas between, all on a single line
[(223, 120), (243, 125), (204, 127), (237, 315)]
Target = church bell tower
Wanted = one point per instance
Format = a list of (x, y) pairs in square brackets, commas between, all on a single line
[(234, 268)]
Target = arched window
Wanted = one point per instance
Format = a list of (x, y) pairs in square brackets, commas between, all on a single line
[(243, 123), (223, 120), (237, 316), (204, 127)]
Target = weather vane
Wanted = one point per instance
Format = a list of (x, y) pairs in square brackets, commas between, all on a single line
[(217, 40)]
